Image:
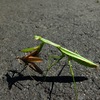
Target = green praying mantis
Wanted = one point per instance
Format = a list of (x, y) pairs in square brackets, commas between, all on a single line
[(72, 55), (65, 52)]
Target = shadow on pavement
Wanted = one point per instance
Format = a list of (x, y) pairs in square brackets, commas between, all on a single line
[(60, 79)]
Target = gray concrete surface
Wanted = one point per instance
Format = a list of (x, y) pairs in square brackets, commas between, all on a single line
[(74, 24)]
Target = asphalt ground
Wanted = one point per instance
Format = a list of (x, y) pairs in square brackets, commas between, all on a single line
[(74, 24)]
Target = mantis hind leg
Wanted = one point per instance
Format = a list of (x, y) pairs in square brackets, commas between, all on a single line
[(72, 73)]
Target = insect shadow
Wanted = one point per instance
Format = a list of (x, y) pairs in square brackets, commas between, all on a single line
[(57, 79)]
